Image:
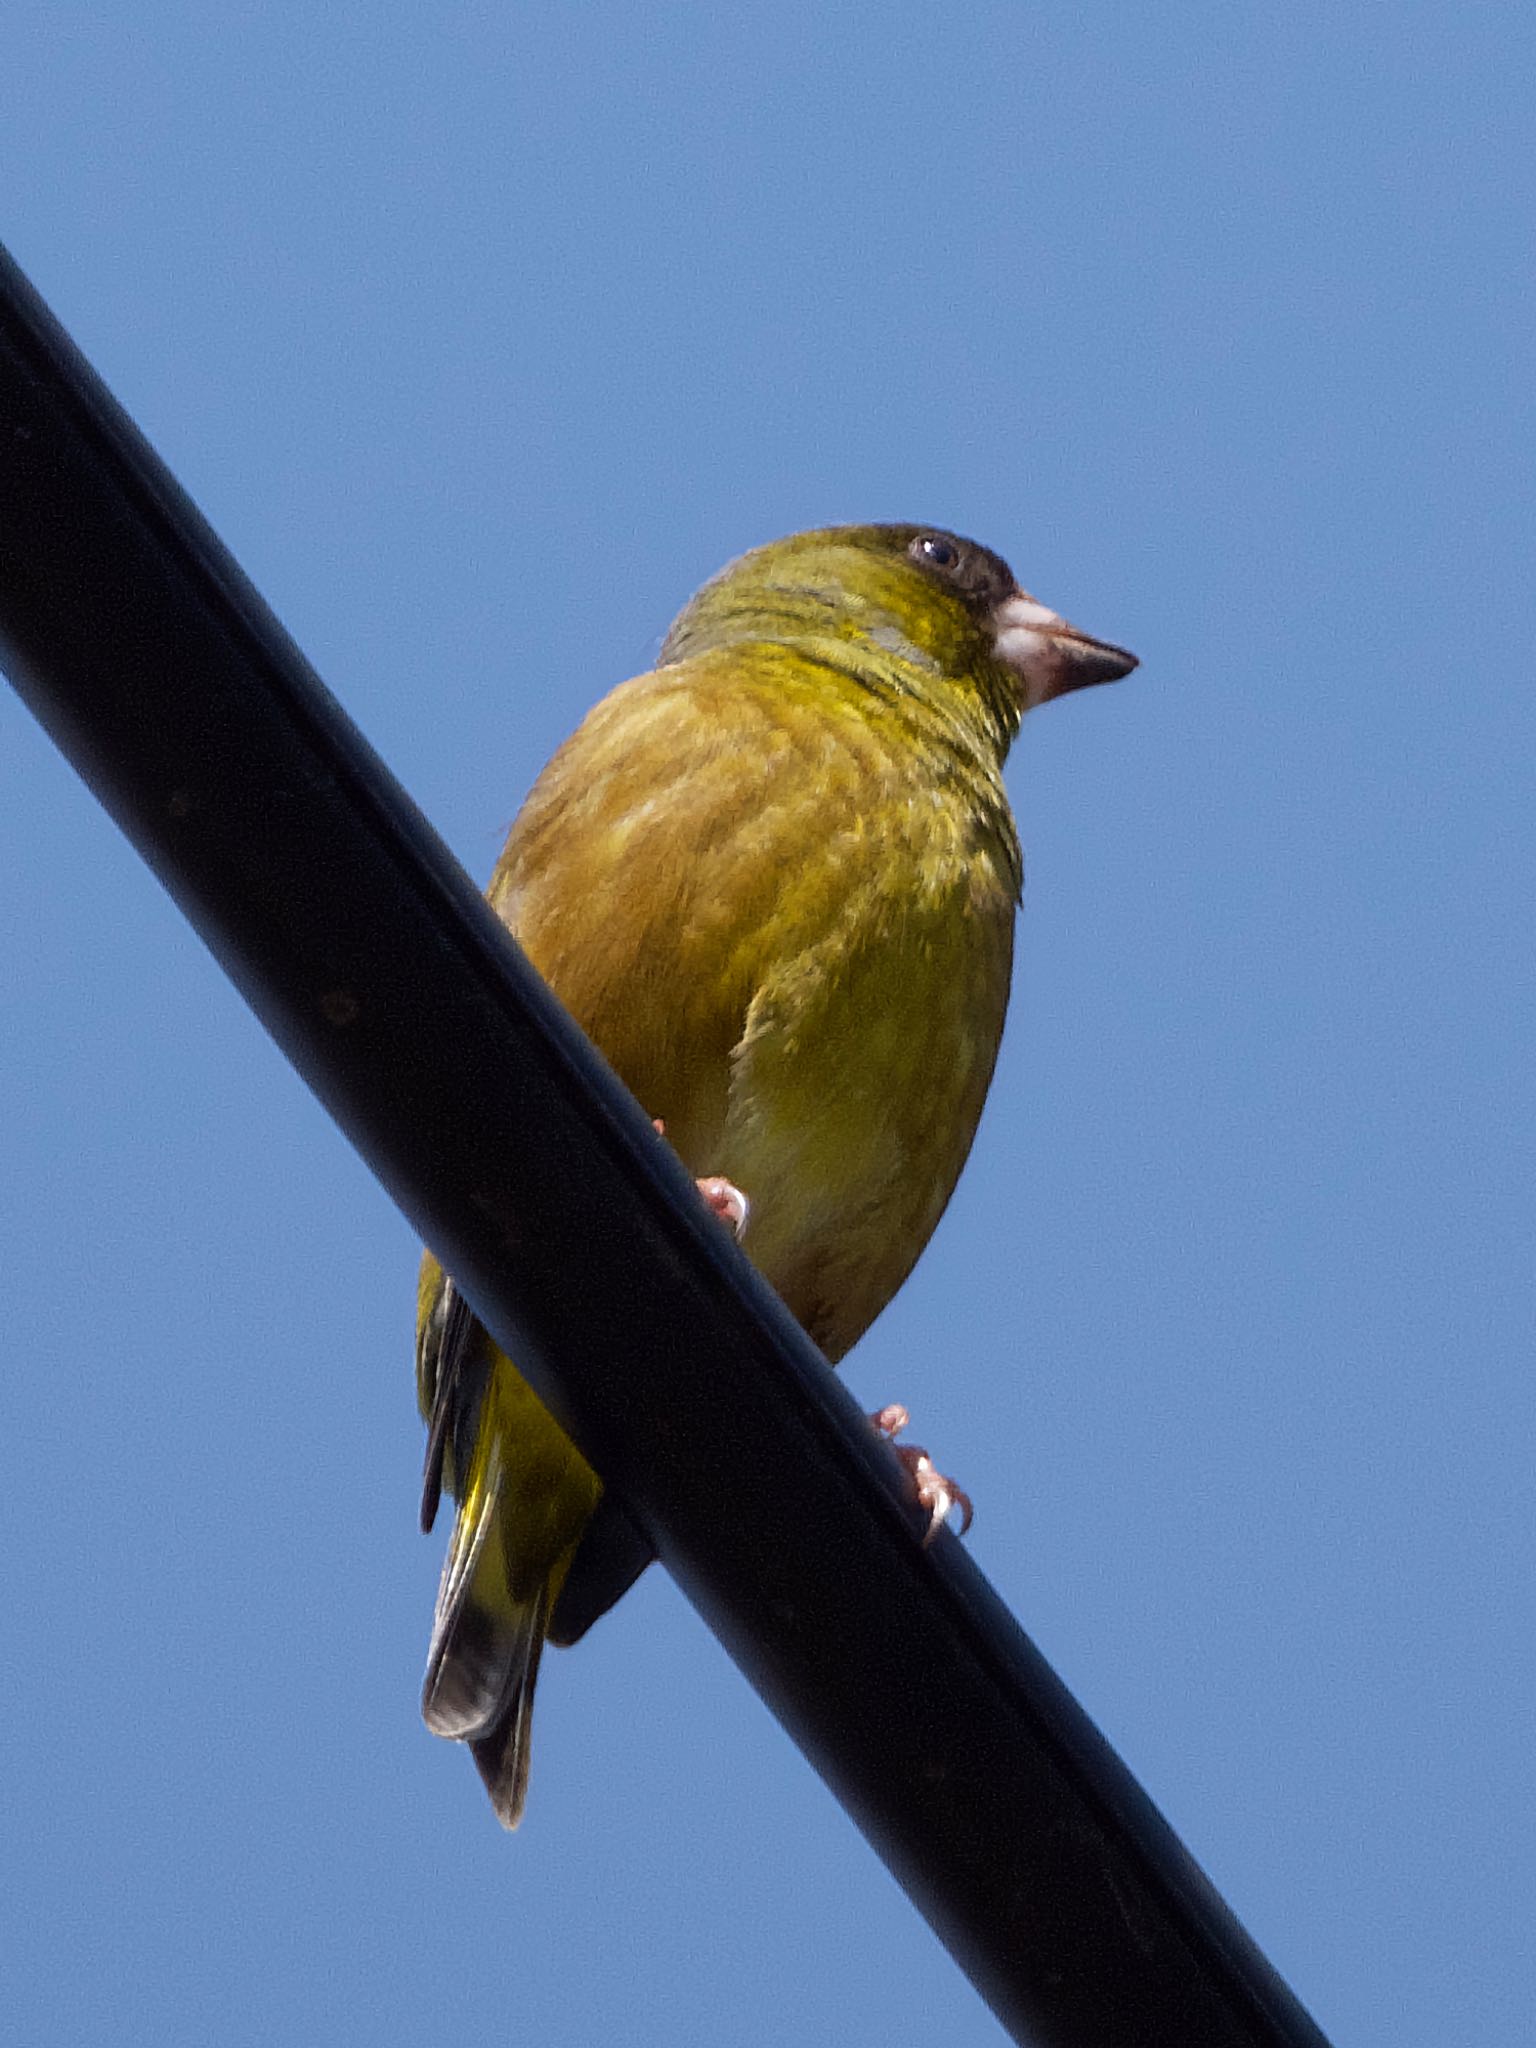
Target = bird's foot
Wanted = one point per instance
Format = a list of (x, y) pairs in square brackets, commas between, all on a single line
[(721, 1197), (940, 1496), (727, 1202)]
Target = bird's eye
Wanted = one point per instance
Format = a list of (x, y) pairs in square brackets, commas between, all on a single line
[(936, 550), (979, 576)]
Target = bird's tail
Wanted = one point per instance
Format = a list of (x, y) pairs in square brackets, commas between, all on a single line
[(486, 1641)]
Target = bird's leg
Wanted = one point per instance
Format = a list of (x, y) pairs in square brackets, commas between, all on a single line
[(940, 1496), (721, 1197)]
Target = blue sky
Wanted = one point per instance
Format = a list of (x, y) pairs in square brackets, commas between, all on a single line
[(482, 335)]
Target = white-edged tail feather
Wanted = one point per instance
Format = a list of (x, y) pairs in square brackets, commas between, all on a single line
[(485, 1649)]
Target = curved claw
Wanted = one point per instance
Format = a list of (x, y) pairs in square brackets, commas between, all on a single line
[(727, 1201), (721, 1196), (935, 1492)]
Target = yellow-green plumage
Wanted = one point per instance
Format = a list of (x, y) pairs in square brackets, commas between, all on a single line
[(774, 880)]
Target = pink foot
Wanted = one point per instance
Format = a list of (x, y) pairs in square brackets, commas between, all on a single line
[(940, 1496), (722, 1197), (727, 1201)]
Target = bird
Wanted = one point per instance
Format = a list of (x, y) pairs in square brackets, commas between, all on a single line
[(774, 880)]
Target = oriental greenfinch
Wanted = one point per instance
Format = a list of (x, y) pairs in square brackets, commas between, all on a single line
[(774, 880)]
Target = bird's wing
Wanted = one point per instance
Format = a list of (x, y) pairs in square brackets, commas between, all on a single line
[(452, 1367)]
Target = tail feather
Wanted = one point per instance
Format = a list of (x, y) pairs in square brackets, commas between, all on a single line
[(501, 1754), (525, 1494), (465, 1681), (486, 1643)]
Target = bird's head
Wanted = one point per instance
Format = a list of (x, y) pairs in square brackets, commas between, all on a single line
[(910, 601)]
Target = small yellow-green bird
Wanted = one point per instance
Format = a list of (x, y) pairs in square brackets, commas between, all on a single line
[(774, 881)]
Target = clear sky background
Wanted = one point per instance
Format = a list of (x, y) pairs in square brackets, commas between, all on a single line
[(484, 334)]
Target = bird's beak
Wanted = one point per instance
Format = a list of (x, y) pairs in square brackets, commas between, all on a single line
[(1048, 656)]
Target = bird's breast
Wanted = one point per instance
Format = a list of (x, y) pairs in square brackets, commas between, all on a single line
[(789, 929)]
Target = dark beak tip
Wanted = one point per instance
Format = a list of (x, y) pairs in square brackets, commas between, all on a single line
[(1095, 661), (1081, 663)]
